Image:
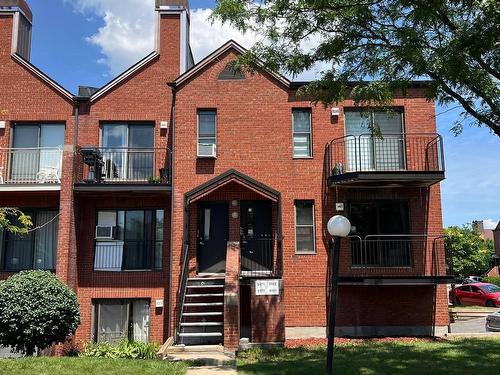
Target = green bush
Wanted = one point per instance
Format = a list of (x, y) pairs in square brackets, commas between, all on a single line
[(124, 349), (36, 311), (492, 280)]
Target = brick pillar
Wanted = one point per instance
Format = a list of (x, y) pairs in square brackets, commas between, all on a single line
[(232, 298)]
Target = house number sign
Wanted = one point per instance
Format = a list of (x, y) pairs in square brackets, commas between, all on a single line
[(267, 287)]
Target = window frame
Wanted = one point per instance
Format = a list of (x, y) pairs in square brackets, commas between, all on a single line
[(296, 225), (377, 203), (198, 138), (294, 133)]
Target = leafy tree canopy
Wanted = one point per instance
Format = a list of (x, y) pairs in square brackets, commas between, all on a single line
[(373, 49), (14, 221), (470, 254)]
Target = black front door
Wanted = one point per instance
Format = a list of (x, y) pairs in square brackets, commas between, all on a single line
[(257, 241), (213, 229)]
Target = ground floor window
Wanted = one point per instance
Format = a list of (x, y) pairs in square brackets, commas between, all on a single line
[(119, 319), (304, 227), (35, 250)]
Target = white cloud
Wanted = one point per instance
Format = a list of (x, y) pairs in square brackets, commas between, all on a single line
[(490, 224)]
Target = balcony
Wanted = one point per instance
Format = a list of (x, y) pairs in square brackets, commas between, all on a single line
[(261, 256), (123, 169), (116, 256), (395, 259), (401, 159), (30, 168)]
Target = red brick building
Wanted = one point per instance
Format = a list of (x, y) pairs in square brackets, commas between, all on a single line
[(191, 200)]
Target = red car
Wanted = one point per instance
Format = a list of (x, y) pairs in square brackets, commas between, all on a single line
[(479, 294)]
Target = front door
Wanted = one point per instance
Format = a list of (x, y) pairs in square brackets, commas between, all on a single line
[(213, 229), (257, 241)]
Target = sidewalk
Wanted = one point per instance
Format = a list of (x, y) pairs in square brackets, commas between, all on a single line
[(211, 370)]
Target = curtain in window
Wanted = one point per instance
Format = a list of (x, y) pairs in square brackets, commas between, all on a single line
[(112, 322), (46, 240), (358, 147), (140, 321)]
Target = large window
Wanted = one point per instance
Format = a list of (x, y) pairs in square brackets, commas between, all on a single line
[(129, 240), (304, 227), (128, 150), (301, 133), (374, 140), (36, 152), (116, 320), (207, 130), (36, 250)]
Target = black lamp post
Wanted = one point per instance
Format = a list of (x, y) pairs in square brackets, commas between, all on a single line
[(338, 227)]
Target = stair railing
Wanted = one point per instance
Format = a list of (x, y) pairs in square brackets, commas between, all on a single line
[(181, 293)]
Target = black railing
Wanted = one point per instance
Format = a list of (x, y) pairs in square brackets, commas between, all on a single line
[(124, 165), (260, 256), (385, 153), (422, 255), (128, 255), (181, 292)]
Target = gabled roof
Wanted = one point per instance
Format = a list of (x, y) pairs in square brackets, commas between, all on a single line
[(230, 45)]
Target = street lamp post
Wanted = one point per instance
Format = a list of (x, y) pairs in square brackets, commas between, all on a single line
[(338, 226)]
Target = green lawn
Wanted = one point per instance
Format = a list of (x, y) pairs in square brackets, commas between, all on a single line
[(94, 366), (472, 356)]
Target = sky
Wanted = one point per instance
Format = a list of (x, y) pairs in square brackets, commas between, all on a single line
[(89, 42)]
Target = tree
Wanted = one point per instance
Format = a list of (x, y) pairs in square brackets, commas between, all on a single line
[(470, 254), (373, 49), (14, 221), (36, 311)]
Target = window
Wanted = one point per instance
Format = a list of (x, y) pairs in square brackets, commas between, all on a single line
[(129, 240), (231, 72), (374, 140), (304, 227), (36, 250), (116, 320), (301, 133), (207, 128), (128, 151), (36, 152), (24, 37)]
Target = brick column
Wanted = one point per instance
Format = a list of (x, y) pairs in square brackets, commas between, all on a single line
[(232, 298)]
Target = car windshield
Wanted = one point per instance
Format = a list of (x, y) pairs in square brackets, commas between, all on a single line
[(490, 288)]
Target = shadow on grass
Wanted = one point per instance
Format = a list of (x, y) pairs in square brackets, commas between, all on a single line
[(481, 356)]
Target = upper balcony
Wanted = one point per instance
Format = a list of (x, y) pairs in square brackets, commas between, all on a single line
[(30, 169), (123, 169), (396, 159)]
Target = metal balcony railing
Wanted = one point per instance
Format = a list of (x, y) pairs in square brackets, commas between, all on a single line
[(261, 256), (30, 165), (385, 153), (128, 255), (402, 255), (124, 165)]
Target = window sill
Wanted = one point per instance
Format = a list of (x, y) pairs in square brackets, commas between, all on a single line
[(302, 157), (305, 253), (206, 157)]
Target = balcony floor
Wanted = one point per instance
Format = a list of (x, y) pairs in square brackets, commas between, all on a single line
[(123, 187), (386, 179), (29, 187)]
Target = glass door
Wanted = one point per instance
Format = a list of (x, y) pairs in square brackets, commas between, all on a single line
[(25, 153), (114, 143), (358, 142), (141, 152), (388, 146)]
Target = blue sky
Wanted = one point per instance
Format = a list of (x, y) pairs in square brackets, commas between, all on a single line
[(88, 42)]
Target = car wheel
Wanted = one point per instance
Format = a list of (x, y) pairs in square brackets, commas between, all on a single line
[(490, 303), (457, 301)]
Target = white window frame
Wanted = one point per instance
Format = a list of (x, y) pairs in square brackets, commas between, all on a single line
[(307, 226), (310, 156), (198, 140)]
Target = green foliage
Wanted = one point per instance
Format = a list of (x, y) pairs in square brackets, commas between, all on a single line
[(470, 254), (14, 221), (492, 280), (36, 310), (124, 349), (372, 50)]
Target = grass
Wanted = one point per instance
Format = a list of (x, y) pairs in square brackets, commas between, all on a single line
[(467, 356), (94, 366)]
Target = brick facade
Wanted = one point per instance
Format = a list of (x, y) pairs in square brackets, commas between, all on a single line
[(254, 137)]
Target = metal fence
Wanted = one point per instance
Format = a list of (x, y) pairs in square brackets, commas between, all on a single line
[(261, 256), (127, 255), (30, 165)]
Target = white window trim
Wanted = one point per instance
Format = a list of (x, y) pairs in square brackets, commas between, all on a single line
[(310, 156), (314, 252), (198, 110)]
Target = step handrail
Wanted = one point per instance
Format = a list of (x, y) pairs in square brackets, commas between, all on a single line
[(181, 293)]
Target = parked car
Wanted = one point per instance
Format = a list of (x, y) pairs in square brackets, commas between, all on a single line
[(479, 294), (472, 280), (493, 322)]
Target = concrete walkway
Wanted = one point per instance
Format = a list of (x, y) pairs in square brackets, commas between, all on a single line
[(211, 370)]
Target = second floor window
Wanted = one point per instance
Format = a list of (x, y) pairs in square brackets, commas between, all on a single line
[(207, 130), (129, 240), (301, 133)]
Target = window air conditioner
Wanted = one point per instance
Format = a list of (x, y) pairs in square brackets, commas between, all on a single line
[(104, 233), (206, 150)]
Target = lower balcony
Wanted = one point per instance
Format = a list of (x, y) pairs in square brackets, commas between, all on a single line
[(394, 259)]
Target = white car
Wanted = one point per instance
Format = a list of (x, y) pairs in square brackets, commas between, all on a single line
[(493, 322)]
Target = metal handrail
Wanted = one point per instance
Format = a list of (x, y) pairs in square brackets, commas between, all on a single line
[(181, 292)]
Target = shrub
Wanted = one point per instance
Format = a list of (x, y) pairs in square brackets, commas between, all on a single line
[(36, 311), (492, 279), (124, 349)]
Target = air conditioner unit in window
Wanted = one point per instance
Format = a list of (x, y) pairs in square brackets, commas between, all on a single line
[(207, 150), (104, 233)]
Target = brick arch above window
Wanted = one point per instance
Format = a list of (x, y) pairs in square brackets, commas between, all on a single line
[(230, 72)]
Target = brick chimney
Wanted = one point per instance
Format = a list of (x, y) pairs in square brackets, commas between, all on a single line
[(15, 27), (172, 37)]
